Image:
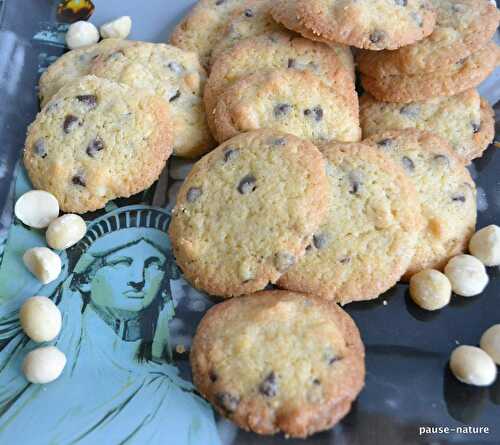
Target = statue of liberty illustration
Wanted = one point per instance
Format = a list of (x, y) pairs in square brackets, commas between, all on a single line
[(119, 384)]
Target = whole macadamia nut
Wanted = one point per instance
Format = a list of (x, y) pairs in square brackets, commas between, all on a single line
[(40, 319), (81, 34), (65, 231), (44, 365), (37, 209), (44, 264), (467, 275), (430, 289), (485, 245), (490, 342), (473, 366), (117, 29)]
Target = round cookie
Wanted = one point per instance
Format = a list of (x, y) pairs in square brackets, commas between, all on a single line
[(73, 65), (370, 234), (269, 52), (446, 192), (97, 140), (450, 80), (252, 20), (374, 25), (458, 119), (247, 211), (462, 28), (203, 26), (172, 74), (279, 361), (276, 100)]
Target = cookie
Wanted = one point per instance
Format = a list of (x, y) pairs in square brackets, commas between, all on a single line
[(370, 234), (279, 361), (269, 52), (276, 100), (446, 191), (252, 20), (374, 25), (97, 140), (450, 80), (172, 74), (458, 119), (203, 26), (462, 28), (247, 211), (73, 65)]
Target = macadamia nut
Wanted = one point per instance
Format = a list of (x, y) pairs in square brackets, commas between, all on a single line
[(473, 366), (43, 263), (490, 342), (117, 29), (65, 231), (40, 319), (467, 275), (485, 245), (430, 289), (37, 208), (44, 365), (81, 34)]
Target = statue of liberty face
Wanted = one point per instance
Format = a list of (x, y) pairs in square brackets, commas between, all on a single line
[(130, 278)]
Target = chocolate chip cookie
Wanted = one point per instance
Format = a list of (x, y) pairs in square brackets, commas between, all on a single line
[(203, 26), (97, 140), (370, 234), (374, 25), (448, 81), (276, 100), (73, 65), (247, 211), (279, 361), (446, 192), (462, 120), (462, 28), (269, 52), (172, 74)]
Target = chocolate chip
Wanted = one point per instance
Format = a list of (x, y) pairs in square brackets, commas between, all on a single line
[(247, 185), (316, 382), (385, 143), (291, 63), (213, 376), (177, 68), (230, 154), (317, 112), (115, 54), (248, 13), (175, 96), (227, 402), (332, 360), (458, 198), (88, 99), (269, 387), (377, 36), (356, 182), (401, 2), (458, 7), (320, 241), (95, 146), (283, 261), (278, 142), (39, 148), (309, 248), (345, 260), (475, 127), (281, 110), (193, 194), (219, 2), (70, 122), (410, 110), (79, 180), (408, 164), (441, 159)]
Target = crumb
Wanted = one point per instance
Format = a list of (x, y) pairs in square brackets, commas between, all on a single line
[(384, 302), (496, 144), (180, 349), (457, 342)]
